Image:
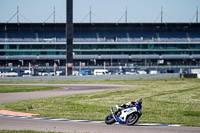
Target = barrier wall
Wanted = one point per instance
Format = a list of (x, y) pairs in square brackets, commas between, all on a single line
[(92, 77)]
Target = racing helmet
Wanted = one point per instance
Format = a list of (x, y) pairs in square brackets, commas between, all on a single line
[(138, 101)]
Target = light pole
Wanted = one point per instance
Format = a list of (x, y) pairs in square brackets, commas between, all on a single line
[(69, 37)]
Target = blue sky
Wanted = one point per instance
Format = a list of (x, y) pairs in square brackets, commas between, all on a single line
[(103, 10)]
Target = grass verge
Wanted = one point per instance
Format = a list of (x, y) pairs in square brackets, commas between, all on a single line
[(123, 82), (170, 101), (9, 89)]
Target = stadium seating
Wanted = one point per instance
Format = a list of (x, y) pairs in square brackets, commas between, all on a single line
[(112, 37), (195, 36), (2, 36), (142, 36), (173, 37), (21, 37), (85, 37), (101, 36)]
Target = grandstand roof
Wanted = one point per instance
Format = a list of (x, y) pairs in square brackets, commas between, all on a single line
[(103, 26)]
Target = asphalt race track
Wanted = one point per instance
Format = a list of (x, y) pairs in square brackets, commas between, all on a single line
[(14, 123), (61, 126), (68, 89)]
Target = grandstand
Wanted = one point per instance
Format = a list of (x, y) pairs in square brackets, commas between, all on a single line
[(98, 43)]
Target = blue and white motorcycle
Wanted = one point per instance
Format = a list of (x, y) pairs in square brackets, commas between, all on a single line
[(124, 115)]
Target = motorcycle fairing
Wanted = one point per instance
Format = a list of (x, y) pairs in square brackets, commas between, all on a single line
[(124, 114)]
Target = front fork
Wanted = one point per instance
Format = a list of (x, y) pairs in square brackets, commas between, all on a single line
[(113, 114)]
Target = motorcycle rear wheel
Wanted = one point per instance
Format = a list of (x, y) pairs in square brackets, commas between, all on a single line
[(132, 119), (109, 119)]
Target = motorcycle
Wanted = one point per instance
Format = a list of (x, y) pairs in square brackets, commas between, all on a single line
[(124, 115)]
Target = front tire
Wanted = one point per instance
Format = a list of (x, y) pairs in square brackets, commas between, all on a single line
[(109, 119), (132, 119)]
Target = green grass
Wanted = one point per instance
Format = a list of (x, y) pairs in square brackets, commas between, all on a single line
[(167, 101), (9, 89)]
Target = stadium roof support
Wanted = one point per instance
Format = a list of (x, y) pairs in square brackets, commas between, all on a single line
[(197, 15), (52, 14), (16, 14), (90, 16), (125, 15), (161, 14)]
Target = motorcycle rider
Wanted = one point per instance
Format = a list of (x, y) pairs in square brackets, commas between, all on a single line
[(138, 102)]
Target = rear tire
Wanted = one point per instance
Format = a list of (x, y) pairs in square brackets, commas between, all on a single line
[(109, 119), (132, 119)]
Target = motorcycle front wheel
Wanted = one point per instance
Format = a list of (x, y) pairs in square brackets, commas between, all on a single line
[(109, 119), (132, 119)]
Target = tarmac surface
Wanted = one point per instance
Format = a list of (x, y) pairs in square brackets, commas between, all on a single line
[(13, 123), (81, 127), (68, 90)]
